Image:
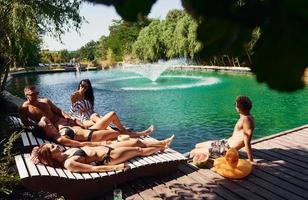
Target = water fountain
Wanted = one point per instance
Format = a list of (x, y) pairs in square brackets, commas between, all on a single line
[(152, 71)]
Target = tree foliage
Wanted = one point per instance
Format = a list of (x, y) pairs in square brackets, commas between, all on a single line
[(280, 55), (22, 23), (170, 38), (148, 45)]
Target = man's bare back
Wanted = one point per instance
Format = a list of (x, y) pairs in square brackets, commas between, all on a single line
[(241, 136)]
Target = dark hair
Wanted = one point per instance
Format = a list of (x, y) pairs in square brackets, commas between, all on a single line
[(244, 103), (88, 95), (29, 87)]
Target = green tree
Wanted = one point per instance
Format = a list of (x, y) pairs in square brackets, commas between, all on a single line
[(89, 51), (121, 37), (148, 46), (22, 22)]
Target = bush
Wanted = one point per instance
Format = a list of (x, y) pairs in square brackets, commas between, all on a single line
[(8, 177)]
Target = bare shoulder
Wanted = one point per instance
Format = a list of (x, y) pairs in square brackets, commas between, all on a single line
[(24, 105), (74, 94), (44, 100), (248, 121)]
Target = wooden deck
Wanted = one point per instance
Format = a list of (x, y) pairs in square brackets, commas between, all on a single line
[(282, 173)]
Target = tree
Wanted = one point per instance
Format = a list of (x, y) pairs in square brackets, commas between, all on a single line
[(280, 55), (89, 51), (22, 22), (121, 37), (148, 46), (171, 38)]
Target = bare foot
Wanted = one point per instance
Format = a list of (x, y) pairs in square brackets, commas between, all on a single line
[(167, 142), (146, 132)]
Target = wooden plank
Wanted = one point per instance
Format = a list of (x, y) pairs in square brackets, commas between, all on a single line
[(277, 154), (243, 192), (31, 166), (283, 184), (25, 139), (42, 169), (21, 166), (40, 141), (141, 160), (103, 174), (61, 172), (159, 188), (135, 162), (272, 187), (296, 149), (78, 176), (287, 173), (69, 174), (148, 160), (110, 173), (95, 175), (32, 139), (209, 182), (144, 191), (129, 193), (276, 147), (131, 165), (51, 171), (86, 175), (268, 157)]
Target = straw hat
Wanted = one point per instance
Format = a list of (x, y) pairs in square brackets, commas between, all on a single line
[(122, 138), (231, 166)]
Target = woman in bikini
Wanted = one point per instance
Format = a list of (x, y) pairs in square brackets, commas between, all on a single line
[(111, 157), (76, 136), (82, 108)]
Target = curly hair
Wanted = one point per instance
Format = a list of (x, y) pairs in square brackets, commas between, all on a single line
[(42, 155), (244, 103)]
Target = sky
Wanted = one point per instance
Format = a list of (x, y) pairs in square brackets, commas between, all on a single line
[(99, 18)]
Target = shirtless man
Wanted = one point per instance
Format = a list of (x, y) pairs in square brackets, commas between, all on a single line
[(33, 111), (240, 138), (41, 112)]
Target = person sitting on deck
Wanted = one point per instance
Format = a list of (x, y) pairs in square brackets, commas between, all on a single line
[(240, 138), (82, 108), (42, 113), (111, 157)]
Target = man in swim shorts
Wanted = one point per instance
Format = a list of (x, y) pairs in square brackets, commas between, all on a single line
[(240, 138)]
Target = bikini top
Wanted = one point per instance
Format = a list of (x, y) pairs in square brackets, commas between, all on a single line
[(68, 132), (79, 152)]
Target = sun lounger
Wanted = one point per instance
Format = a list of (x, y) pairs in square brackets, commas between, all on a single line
[(91, 185), (87, 185)]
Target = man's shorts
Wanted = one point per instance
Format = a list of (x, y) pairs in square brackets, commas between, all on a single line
[(218, 148)]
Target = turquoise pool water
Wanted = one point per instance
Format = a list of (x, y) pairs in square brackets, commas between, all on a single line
[(195, 106)]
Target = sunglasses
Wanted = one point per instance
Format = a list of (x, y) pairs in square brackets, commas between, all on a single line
[(34, 93), (84, 85)]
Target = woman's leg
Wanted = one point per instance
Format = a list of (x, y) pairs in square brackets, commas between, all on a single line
[(123, 154), (144, 143), (103, 122), (104, 135), (112, 117)]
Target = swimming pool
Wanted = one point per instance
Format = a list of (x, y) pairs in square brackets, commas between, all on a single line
[(193, 105)]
